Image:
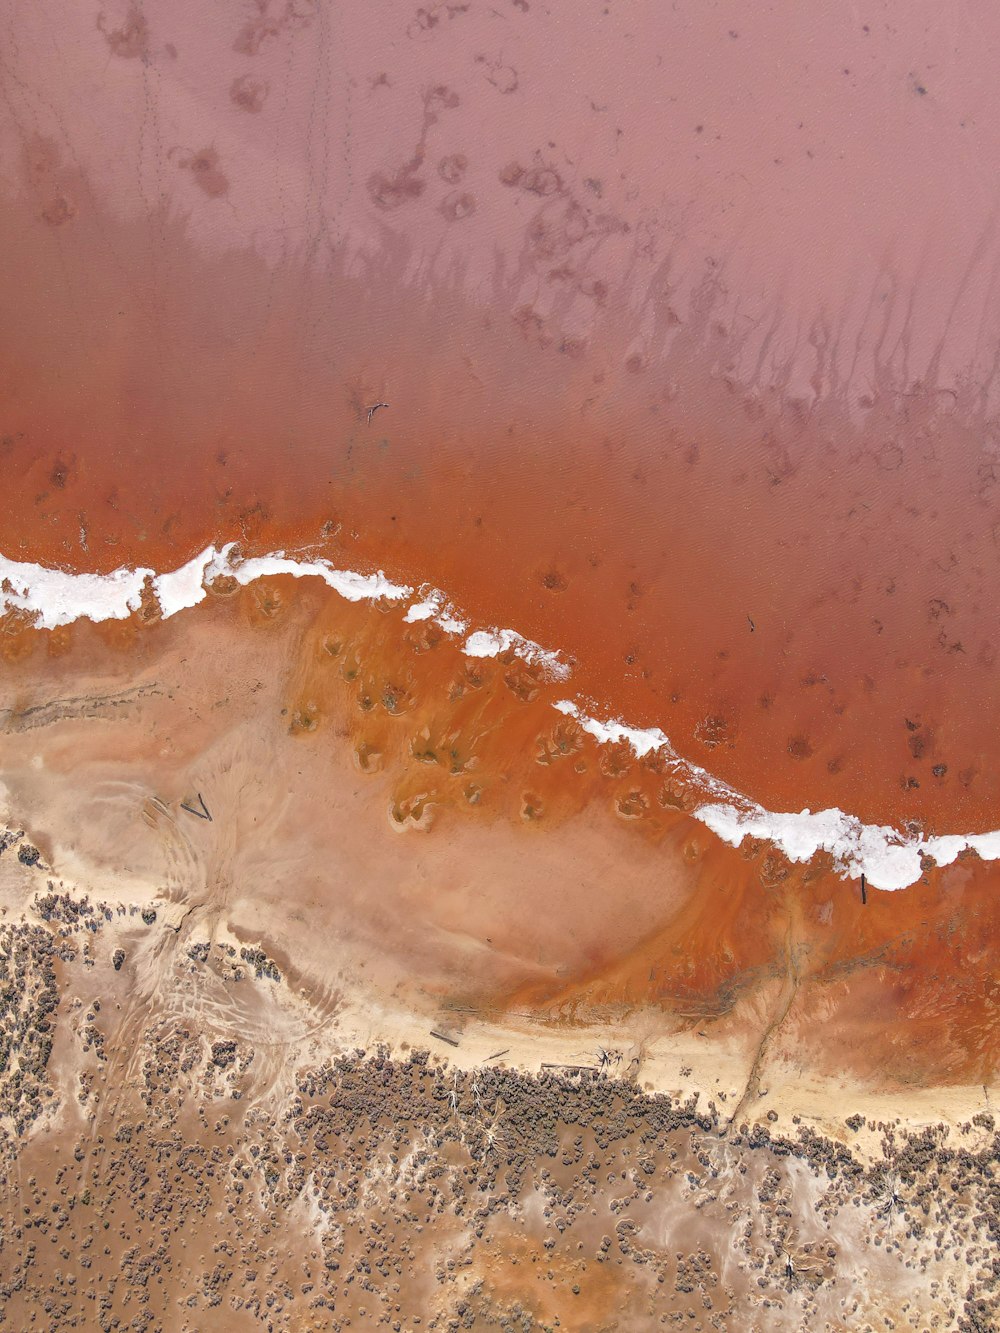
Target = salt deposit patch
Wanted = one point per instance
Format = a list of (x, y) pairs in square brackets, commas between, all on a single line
[(493, 642), (56, 597), (887, 858)]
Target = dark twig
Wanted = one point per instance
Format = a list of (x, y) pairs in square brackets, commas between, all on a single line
[(203, 813)]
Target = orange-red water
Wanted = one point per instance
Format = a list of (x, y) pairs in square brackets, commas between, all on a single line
[(804, 603), (687, 376)]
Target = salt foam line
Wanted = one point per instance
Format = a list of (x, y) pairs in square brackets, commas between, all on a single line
[(886, 857), (493, 642), (56, 597)]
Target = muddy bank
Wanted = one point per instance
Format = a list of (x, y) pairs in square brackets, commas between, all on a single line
[(423, 833)]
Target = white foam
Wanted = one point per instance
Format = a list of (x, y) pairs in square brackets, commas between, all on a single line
[(452, 624), (435, 607), (643, 742), (353, 587), (430, 606), (493, 642), (54, 597), (183, 587), (888, 858), (57, 597)]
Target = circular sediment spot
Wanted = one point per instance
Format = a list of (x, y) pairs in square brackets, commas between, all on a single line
[(632, 805), (531, 807), (414, 812)]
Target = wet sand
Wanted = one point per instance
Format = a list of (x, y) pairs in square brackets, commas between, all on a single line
[(413, 826)]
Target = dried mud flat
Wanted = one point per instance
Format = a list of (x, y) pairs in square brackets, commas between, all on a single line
[(199, 1157)]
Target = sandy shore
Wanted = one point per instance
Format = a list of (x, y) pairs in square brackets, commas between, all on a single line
[(430, 866), (206, 1146)]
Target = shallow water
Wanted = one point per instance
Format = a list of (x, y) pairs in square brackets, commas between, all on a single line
[(685, 377)]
